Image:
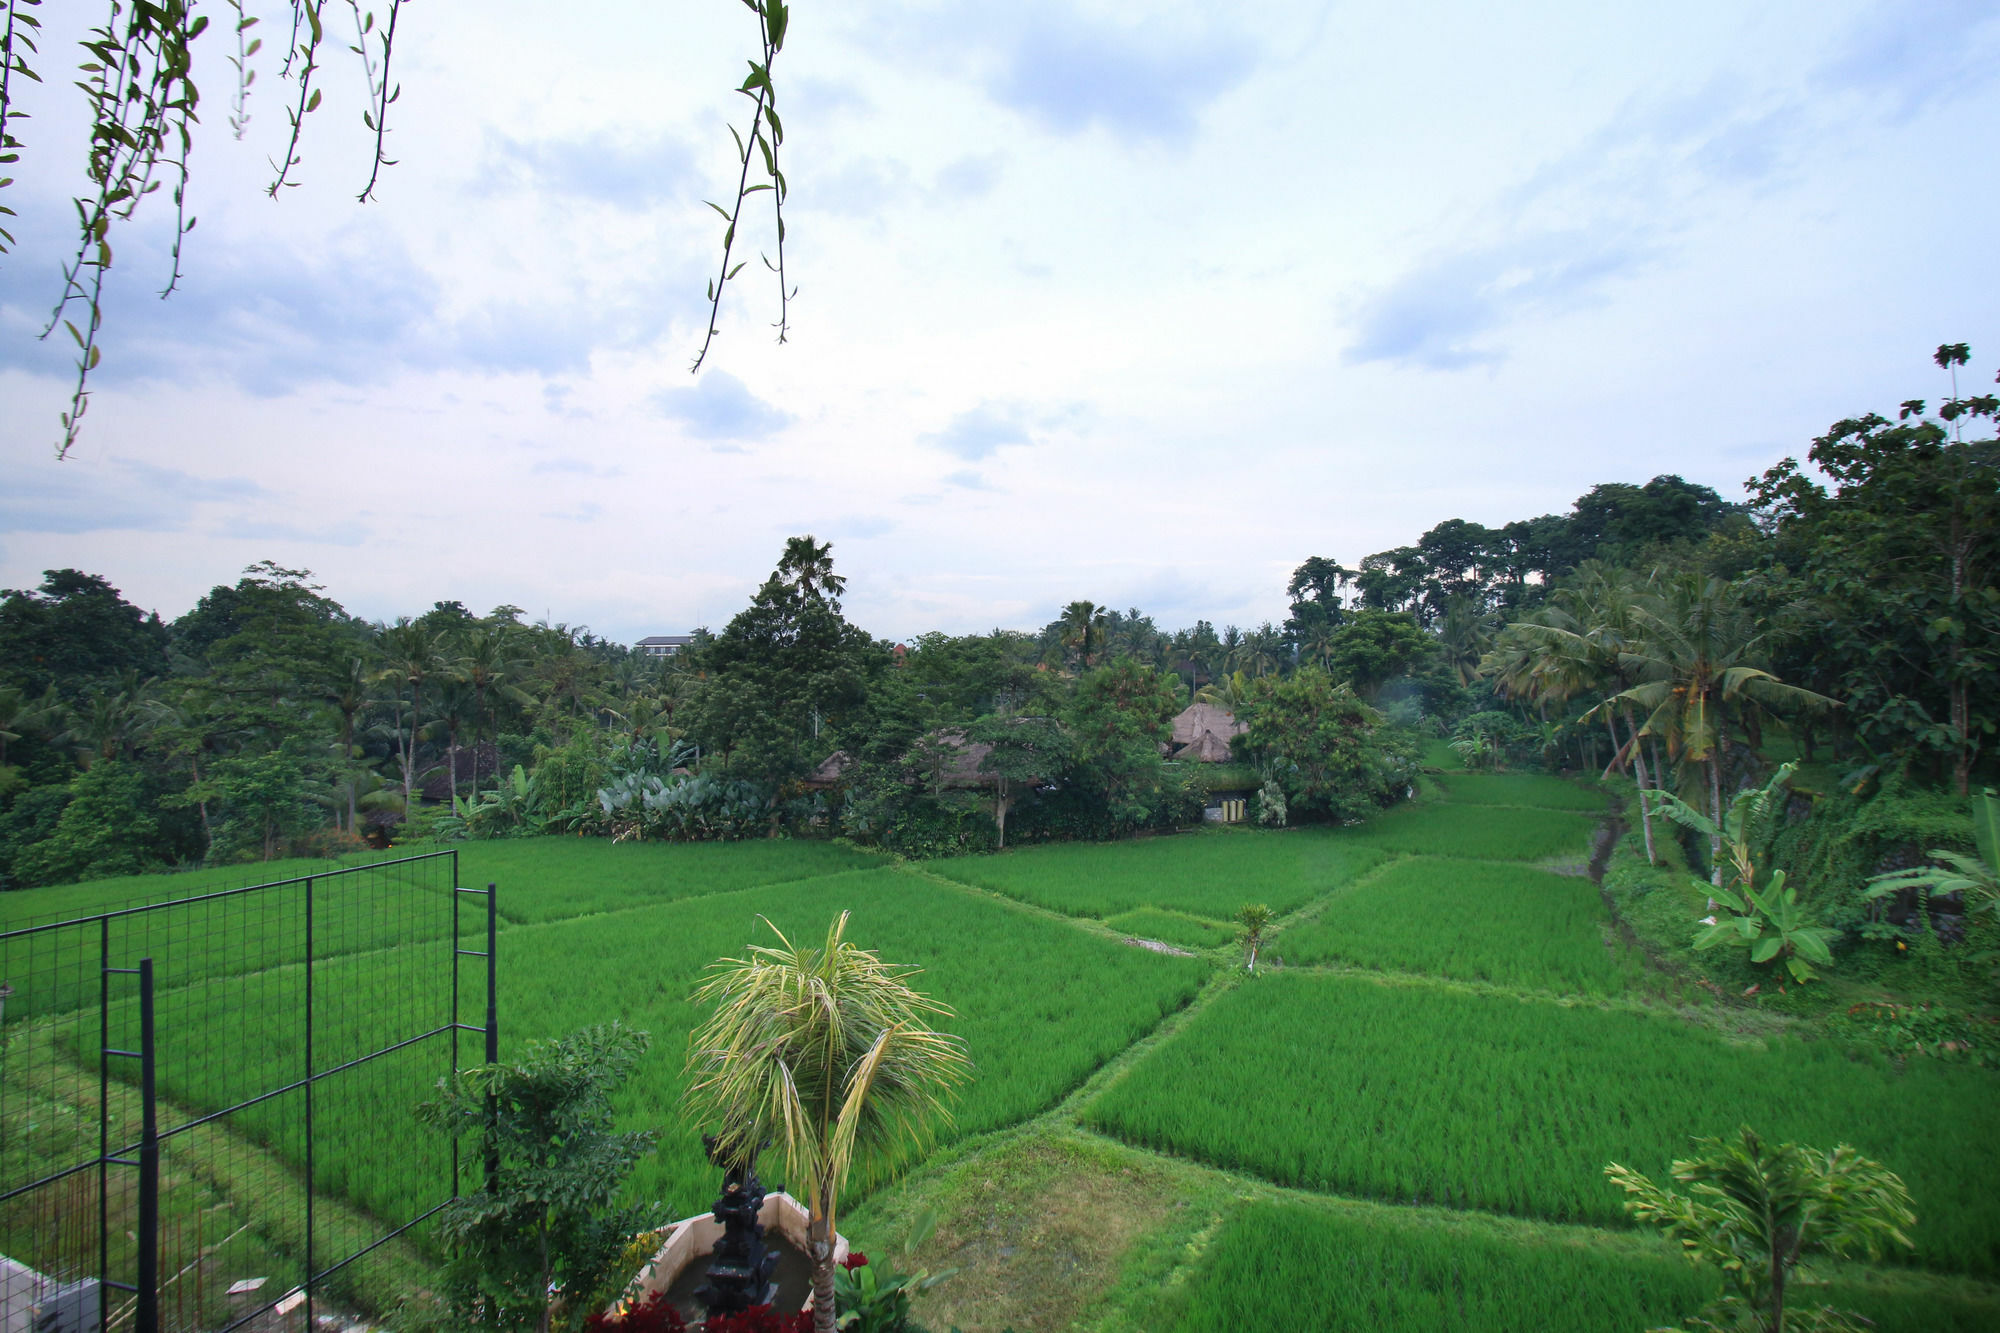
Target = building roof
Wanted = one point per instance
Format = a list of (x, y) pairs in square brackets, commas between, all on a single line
[(1202, 732), (1193, 720), (665, 641)]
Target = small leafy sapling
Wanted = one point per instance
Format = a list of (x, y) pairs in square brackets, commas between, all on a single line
[(1255, 921)]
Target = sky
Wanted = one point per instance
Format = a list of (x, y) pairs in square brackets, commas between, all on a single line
[(1141, 302)]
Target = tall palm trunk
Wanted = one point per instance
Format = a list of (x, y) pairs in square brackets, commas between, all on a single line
[(1639, 771), (1715, 811), (820, 1238)]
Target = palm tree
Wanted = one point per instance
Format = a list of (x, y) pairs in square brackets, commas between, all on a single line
[(1464, 635), (809, 565), (414, 659), (18, 711), (455, 708), (828, 1053), (1083, 627), (488, 662), (1695, 662)]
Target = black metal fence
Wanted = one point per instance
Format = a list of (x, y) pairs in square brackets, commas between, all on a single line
[(206, 1104)]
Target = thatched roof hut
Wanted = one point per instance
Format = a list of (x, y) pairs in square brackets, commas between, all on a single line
[(1203, 732)]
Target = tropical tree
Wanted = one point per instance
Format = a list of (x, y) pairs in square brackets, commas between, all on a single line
[(1328, 753), (1755, 1209), (415, 659), (1697, 661), (808, 566), (1026, 751), (829, 1054), (1083, 629)]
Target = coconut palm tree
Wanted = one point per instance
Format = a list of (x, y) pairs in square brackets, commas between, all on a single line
[(415, 658), (829, 1054), (1695, 658), (809, 565)]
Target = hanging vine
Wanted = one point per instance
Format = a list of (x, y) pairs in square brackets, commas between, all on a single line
[(143, 101), (767, 135)]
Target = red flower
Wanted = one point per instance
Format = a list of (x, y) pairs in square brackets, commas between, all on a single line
[(855, 1259)]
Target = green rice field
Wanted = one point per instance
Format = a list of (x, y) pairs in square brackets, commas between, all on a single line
[(1472, 921), (1445, 1024), (1416, 1093), (1316, 1268), (1531, 789), (1208, 874), (1475, 832), (1189, 932), (1007, 972)]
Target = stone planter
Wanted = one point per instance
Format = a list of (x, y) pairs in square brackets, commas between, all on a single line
[(689, 1242)]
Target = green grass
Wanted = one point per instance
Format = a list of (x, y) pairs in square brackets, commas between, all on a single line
[(1190, 932), (1476, 832), (1418, 1093), (1473, 921), (1293, 1265), (1534, 789), (1439, 754), (1208, 874), (1041, 1004)]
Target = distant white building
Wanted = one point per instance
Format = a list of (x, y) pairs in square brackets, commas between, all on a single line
[(663, 645)]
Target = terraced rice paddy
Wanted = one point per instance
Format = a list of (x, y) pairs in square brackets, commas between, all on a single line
[(1294, 1267), (1452, 1026), (1079, 998), (1189, 932), (1472, 921), (1530, 789), (1476, 832), (1208, 874), (1416, 1093)]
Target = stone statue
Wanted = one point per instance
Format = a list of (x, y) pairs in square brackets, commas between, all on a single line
[(740, 1267)]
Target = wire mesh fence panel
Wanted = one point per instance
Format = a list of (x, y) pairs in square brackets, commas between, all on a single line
[(247, 1149)]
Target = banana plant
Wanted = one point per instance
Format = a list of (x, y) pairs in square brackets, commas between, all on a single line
[(1772, 924), (1746, 825), (1977, 877)]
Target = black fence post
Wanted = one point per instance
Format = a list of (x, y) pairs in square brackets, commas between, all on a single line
[(103, 1119), (492, 1034), (310, 1257), (149, 1161)]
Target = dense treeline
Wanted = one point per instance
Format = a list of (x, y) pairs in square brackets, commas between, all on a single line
[(1658, 629)]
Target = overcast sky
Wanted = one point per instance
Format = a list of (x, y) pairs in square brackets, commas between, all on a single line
[(1139, 302)]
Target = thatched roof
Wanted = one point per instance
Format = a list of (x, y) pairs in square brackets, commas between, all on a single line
[(830, 771), (962, 768), (1208, 747), (1197, 718), (1203, 732)]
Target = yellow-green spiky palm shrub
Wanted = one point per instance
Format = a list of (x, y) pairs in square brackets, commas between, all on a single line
[(830, 1055)]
